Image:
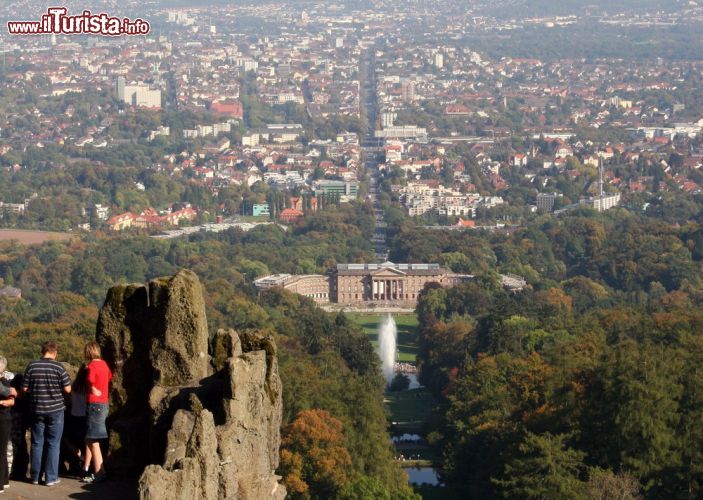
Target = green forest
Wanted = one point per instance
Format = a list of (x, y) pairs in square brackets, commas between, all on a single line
[(583, 385), (330, 372), (588, 375), (596, 398)]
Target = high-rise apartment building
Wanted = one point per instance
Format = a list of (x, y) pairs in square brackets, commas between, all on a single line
[(545, 201), (388, 119), (407, 91), (139, 94)]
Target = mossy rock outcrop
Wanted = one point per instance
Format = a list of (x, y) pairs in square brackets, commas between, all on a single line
[(199, 422)]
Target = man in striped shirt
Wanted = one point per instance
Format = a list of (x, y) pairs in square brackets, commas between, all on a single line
[(46, 380)]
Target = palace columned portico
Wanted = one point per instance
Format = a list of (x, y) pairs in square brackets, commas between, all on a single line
[(387, 282), (387, 289)]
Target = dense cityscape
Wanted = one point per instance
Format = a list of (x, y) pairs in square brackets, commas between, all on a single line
[(513, 189), (463, 133)]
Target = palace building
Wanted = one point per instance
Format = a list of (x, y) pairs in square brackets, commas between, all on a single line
[(358, 284), (388, 282), (313, 286)]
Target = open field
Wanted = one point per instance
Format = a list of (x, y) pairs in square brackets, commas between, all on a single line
[(29, 237), (410, 407), (407, 332), (409, 411)]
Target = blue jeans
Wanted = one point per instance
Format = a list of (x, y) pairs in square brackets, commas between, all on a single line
[(46, 438), (96, 415)]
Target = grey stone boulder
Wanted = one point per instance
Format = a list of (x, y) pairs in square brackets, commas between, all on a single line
[(197, 419)]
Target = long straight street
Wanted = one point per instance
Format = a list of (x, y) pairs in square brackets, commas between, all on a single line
[(370, 150)]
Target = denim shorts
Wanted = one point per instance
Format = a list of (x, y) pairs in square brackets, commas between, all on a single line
[(95, 417)]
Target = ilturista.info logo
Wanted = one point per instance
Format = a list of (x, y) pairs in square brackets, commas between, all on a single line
[(58, 21)]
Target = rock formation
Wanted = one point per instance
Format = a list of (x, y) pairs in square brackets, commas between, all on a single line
[(200, 423)]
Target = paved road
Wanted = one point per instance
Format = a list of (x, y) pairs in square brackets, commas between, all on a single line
[(369, 101), (379, 235), (72, 488)]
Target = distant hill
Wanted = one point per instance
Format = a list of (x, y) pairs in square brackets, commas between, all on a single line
[(200, 3), (517, 8), (501, 7)]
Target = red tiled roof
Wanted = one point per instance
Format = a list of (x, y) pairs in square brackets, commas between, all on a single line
[(231, 108)]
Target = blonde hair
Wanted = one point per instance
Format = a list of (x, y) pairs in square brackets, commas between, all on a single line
[(92, 351)]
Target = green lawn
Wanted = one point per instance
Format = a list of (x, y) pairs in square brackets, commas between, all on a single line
[(409, 411), (407, 331), (412, 406)]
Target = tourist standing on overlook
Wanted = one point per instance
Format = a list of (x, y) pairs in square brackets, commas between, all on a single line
[(76, 422), (46, 380), (98, 377), (7, 400)]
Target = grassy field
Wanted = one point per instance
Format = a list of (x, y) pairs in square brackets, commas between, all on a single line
[(409, 410), (28, 237), (409, 407), (407, 331)]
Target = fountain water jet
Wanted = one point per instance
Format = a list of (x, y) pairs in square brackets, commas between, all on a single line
[(387, 335)]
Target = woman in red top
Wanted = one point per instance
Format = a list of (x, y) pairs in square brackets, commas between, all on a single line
[(98, 378)]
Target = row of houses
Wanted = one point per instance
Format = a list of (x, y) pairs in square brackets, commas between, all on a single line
[(150, 218)]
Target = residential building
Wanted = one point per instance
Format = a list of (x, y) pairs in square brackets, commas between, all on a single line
[(419, 198), (250, 140), (407, 91), (260, 210), (13, 208), (402, 132), (545, 201), (284, 132), (602, 202), (290, 215), (388, 119), (160, 131), (347, 190), (139, 94), (121, 222), (439, 60), (150, 218), (229, 107), (246, 64), (206, 130)]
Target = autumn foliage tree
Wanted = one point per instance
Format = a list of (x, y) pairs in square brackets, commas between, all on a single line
[(314, 461), (575, 387)]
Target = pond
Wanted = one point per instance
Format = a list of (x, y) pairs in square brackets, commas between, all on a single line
[(406, 438), (422, 475)]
